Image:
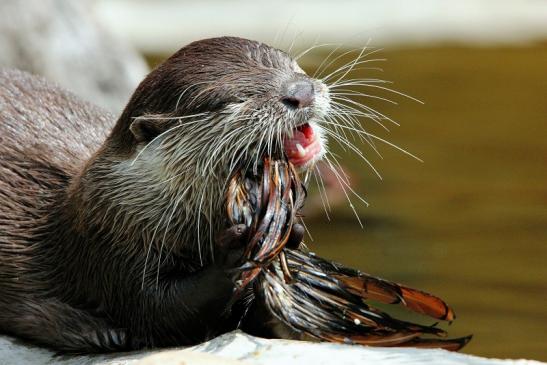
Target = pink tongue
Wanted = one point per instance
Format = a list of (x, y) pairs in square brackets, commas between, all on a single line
[(305, 137), (306, 130)]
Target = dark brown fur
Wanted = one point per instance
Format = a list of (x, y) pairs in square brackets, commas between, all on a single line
[(82, 268)]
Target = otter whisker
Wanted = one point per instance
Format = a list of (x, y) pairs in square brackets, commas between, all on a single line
[(319, 72), (366, 111), (349, 92), (365, 84), (319, 69), (163, 182), (341, 170), (280, 37), (151, 242), (163, 134), (369, 68), (350, 65), (322, 192), (259, 149), (294, 41), (343, 187), (168, 117), (306, 229), (153, 140), (231, 144), (198, 227), (363, 137), (337, 129), (165, 236), (343, 118), (188, 88), (358, 82), (309, 49), (385, 142), (355, 108), (339, 107), (352, 147), (344, 177), (220, 148), (341, 140)]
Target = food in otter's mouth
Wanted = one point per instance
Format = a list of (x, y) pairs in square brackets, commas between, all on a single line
[(305, 146), (311, 295), (276, 195)]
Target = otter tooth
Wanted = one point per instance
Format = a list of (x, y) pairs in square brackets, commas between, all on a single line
[(301, 150)]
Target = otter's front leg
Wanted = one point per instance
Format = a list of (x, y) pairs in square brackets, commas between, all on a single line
[(183, 309), (52, 323)]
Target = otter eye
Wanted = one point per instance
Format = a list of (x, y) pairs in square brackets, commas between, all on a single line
[(146, 129)]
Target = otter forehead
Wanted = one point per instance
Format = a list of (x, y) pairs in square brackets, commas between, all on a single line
[(238, 53), (229, 69)]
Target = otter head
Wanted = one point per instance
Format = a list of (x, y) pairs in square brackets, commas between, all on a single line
[(215, 106), (224, 102)]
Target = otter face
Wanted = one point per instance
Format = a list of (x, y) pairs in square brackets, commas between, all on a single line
[(232, 100), (218, 106)]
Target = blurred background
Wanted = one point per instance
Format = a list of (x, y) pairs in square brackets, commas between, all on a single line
[(468, 224)]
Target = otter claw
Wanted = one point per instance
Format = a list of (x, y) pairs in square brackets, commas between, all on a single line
[(232, 237), (230, 245)]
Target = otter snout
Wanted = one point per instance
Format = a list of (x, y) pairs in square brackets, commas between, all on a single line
[(298, 94)]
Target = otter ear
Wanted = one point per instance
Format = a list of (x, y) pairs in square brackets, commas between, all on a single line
[(146, 129)]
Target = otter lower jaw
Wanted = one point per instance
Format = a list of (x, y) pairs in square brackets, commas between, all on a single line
[(306, 145)]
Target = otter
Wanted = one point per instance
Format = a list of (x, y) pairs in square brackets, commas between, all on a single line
[(112, 235)]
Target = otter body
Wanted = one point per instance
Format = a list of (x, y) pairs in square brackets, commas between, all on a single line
[(108, 228), (65, 283)]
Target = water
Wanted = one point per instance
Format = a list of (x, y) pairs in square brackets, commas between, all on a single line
[(470, 223)]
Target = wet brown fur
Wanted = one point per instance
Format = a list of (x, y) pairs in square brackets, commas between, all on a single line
[(83, 267)]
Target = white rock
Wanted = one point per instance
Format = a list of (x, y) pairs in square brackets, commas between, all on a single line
[(239, 348), (63, 41)]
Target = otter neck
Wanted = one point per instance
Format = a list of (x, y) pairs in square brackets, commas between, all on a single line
[(172, 207)]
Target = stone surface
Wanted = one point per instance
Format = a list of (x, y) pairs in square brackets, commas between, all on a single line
[(239, 348), (63, 41)]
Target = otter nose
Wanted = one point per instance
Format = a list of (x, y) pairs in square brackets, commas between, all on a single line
[(298, 94)]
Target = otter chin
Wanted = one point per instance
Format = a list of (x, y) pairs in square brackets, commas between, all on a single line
[(109, 227)]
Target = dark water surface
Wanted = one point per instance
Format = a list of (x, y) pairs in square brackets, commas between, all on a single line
[(470, 223)]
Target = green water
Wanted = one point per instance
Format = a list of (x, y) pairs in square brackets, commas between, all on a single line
[(470, 223)]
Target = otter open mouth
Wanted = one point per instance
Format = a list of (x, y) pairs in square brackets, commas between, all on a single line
[(305, 146)]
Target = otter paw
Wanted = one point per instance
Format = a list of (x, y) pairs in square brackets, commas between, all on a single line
[(230, 245), (112, 339)]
